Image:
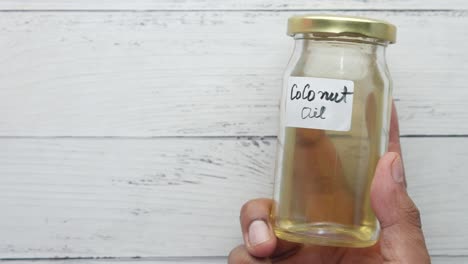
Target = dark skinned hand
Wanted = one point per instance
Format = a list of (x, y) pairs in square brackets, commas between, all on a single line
[(401, 238)]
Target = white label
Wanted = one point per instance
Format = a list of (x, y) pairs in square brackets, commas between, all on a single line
[(319, 103)]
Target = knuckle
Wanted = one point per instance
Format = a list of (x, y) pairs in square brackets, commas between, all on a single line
[(233, 255), (239, 255), (412, 214)]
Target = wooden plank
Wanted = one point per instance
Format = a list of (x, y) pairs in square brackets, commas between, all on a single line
[(127, 197), (435, 260), (230, 5), (163, 260), (439, 162), (189, 74), (136, 197)]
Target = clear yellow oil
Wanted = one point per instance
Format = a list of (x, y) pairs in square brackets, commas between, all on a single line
[(324, 196), (322, 188)]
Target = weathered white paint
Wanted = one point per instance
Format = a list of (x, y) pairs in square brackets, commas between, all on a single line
[(180, 197), (200, 73), (230, 4), (117, 73)]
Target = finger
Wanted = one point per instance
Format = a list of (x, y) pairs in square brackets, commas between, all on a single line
[(240, 255), (259, 238), (394, 137), (402, 239)]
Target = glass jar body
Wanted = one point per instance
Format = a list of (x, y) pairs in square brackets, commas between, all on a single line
[(323, 176)]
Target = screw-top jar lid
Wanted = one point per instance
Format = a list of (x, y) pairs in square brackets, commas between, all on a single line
[(342, 25)]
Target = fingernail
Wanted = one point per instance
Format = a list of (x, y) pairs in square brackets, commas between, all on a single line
[(258, 232), (398, 173)]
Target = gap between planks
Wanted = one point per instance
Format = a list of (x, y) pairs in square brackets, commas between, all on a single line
[(227, 137), (203, 5), (122, 259), (162, 260), (227, 10)]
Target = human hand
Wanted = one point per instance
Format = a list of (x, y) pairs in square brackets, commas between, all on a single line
[(401, 238)]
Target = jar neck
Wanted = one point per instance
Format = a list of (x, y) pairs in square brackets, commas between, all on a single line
[(342, 55), (341, 38)]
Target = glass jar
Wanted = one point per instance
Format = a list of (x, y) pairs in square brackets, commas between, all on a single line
[(334, 122)]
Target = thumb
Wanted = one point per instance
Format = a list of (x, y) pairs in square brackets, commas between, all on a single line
[(401, 238)]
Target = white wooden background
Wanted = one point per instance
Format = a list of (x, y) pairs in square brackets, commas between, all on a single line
[(133, 131)]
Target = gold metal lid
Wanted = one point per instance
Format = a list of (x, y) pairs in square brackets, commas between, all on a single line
[(342, 25)]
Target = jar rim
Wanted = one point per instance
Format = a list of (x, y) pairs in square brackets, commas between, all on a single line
[(342, 25)]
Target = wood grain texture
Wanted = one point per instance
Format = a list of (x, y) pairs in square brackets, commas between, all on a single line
[(230, 5), (435, 260), (135, 197), (127, 197), (200, 73)]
